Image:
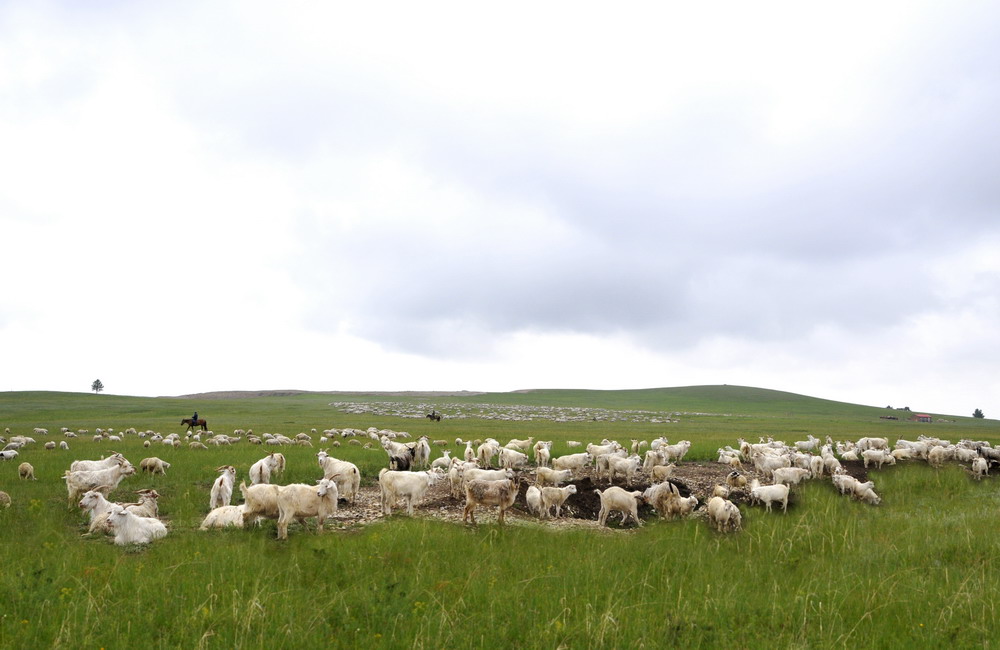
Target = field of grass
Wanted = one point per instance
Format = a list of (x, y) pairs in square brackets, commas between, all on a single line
[(916, 570)]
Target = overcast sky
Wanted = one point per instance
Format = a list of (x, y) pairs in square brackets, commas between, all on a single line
[(201, 196)]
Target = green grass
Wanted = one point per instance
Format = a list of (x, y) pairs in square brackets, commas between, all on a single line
[(916, 571)]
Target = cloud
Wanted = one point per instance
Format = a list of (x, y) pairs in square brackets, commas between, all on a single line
[(787, 196)]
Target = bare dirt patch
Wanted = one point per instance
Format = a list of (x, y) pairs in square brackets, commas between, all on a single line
[(581, 509)]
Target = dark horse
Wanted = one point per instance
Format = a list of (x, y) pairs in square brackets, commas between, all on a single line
[(200, 422), (434, 415)]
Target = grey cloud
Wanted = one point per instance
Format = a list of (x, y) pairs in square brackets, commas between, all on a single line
[(685, 226)]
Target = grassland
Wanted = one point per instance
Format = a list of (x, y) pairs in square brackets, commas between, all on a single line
[(917, 570)]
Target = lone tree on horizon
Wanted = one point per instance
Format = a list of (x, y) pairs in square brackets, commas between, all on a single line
[(97, 386), (978, 413)]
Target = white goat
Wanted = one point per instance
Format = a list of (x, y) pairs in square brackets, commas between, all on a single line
[(222, 489), (879, 457), (154, 465), (724, 515), (443, 462), (555, 497), (675, 452), (346, 474), (572, 461), (103, 480), (616, 499), (130, 528), (546, 476), (98, 508), (223, 517), (259, 501), (409, 486), (511, 458), (95, 465), (520, 445), (26, 471), (627, 467), (660, 473), (980, 468), (260, 472), (533, 497), (789, 475), (298, 501), (767, 494)]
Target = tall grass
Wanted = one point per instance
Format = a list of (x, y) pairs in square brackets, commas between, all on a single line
[(833, 572)]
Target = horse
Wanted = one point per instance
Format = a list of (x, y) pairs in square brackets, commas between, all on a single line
[(434, 416), (200, 422)]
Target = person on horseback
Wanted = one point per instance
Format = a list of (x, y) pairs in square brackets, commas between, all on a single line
[(194, 418)]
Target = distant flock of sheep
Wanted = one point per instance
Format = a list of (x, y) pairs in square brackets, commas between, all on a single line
[(475, 478)]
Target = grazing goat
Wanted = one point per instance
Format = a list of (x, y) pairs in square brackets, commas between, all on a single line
[(880, 457), (627, 467), (660, 473), (790, 475), (766, 463), (533, 497), (543, 452), (26, 471), (616, 499), (675, 452), (490, 493), (511, 458), (555, 497), (4, 499), (767, 494), (409, 486), (667, 501), (154, 465), (298, 501), (724, 515), (346, 474), (259, 501), (520, 445), (486, 451), (546, 476), (474, 473), (572, 461)]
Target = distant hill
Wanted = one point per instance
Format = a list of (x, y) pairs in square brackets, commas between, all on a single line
[(712, 399)]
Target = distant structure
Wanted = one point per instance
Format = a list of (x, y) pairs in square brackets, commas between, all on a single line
[(922, 417)]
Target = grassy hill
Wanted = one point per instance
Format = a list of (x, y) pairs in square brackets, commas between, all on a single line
[(724, 400), (917, 570), (710, 416)]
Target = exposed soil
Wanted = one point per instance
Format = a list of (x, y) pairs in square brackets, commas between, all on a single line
[(580, 510)]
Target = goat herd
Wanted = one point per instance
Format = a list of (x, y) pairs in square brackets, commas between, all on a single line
[(475, 478)]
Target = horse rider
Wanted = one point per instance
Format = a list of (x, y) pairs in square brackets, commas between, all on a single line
[(194, 418)]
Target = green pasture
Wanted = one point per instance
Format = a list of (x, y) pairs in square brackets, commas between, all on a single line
[(918, 570)]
